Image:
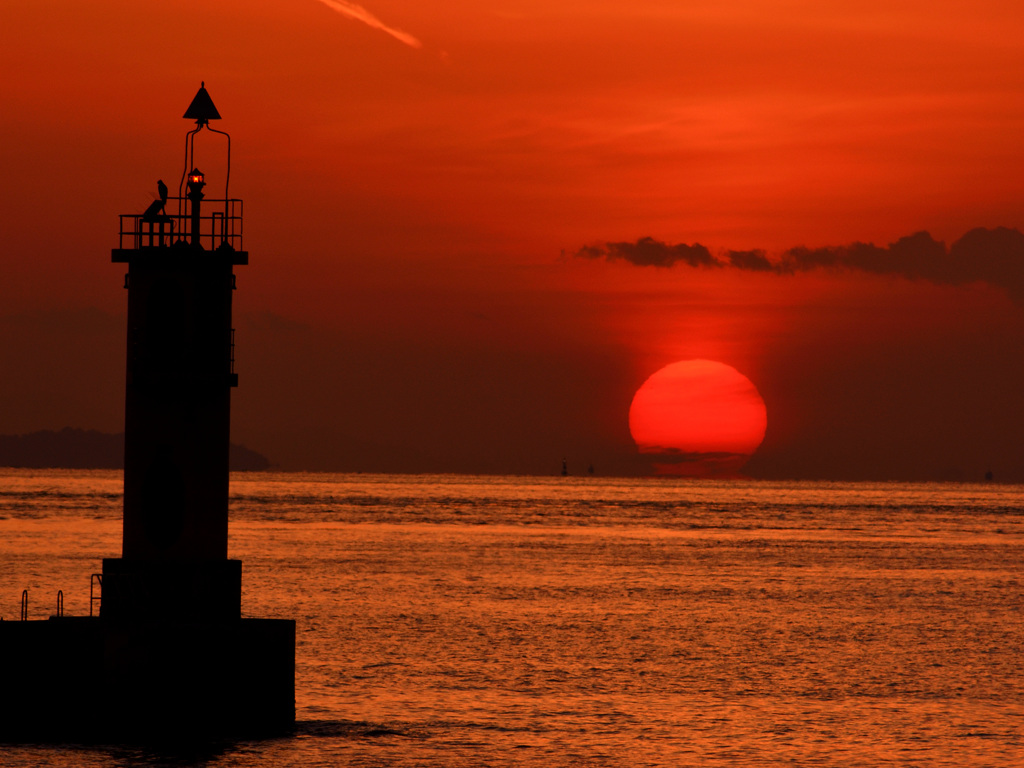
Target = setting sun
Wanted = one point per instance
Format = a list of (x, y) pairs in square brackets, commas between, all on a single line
[(699, 417)]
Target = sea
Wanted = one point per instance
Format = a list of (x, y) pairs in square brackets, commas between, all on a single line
[(457, 621)]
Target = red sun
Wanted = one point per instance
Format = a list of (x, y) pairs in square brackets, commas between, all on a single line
[(700, 418)]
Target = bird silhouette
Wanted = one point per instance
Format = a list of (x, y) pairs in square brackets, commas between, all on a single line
[(156, 208)]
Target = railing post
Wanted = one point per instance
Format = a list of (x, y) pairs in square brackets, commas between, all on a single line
[(96, 578), (217, 229), (24, 605), (60, 603)]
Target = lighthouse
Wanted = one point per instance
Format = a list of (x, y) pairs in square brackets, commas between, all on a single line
[(180, 373), (169, 655)]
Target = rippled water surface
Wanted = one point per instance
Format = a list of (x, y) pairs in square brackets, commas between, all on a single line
[(463, 621)]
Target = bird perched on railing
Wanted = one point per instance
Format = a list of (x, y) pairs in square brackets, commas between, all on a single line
[(156, 209)]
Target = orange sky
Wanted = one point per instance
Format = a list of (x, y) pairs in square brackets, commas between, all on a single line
[(411, 214)]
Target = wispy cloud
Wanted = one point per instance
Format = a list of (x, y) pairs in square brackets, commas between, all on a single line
[(994, 256), (357, 12)]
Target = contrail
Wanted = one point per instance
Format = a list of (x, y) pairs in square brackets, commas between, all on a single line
[(359, 13)]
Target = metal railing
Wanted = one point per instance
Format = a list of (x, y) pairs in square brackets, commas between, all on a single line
[(95, 580), (220, 223)]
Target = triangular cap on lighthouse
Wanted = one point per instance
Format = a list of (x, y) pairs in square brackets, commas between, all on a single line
[(201, 109)]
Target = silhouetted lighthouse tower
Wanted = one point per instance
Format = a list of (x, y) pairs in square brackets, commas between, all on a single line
[(180, 372), (169, 654), (172, 601)]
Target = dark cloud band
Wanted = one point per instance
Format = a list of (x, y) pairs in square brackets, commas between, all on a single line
[(994, 256)]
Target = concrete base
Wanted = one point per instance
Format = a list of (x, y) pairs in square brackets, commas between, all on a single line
[(91, 679), (191, 590)]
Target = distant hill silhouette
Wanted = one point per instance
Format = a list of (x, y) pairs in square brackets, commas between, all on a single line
[(88, 449)]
